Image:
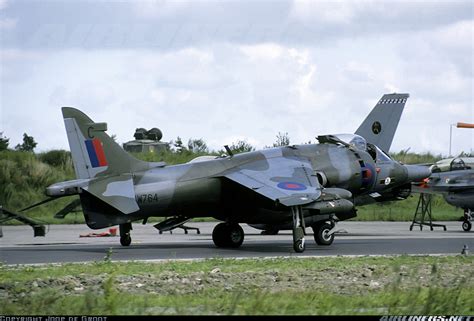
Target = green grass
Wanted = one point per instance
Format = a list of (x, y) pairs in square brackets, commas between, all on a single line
[(412, 158), (24, 177), (12, 273), (243, 287), (436, 301), (405, 209)]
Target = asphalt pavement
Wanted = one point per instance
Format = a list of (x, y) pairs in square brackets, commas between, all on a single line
[(63, 243)]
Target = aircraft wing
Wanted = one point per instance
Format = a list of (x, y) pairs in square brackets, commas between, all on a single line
[(289, 181)]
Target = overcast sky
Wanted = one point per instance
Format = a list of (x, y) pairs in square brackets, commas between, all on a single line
[(229, 70)]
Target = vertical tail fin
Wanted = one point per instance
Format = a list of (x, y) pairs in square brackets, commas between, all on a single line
[(380, 125), (95, 153)]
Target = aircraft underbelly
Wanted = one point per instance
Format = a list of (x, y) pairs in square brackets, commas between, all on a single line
[(463, 200)]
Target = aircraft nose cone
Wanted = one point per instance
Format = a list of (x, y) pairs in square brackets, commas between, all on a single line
[(417, 173)]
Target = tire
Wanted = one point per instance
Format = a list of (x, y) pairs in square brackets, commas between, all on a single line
[(125, 240), (466, 226), (218, 235), (228, 235), (236, 236), (320, 234), (299, 246)]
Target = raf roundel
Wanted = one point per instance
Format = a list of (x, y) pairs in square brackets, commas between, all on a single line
[(291, 186)]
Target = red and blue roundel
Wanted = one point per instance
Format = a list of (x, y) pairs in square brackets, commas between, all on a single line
[(292, 186)]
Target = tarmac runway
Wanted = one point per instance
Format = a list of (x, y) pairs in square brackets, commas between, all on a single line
[(63, 243)]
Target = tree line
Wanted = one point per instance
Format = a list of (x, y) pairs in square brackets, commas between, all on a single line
[(28, 144), (199, 147)]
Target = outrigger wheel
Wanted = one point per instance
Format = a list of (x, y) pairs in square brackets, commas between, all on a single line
[(298, 229), (125, 238), (466, 226), (321, 233), (229, 235)]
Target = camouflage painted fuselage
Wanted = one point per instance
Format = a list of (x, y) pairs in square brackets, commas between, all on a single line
[(262, 187), (201, 189)]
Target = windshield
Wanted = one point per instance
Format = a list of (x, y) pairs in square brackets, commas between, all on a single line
[(381, 156), (356, 141)]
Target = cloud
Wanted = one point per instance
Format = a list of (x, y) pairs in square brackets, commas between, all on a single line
[(169, 25), (159, 8), (337, 12), (3, 4), (7, 23), (237, 69)]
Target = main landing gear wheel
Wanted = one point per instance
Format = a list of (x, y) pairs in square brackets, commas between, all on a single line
[(321, 233), (228, 235), (125, 238), (466, 226)]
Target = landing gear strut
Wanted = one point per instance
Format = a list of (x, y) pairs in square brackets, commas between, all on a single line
[(125, 238), (228, 235), (298, 229)]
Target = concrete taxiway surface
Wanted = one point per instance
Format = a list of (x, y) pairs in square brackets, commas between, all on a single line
[(63, 243)]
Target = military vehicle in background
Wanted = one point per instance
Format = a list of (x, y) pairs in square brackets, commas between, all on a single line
[(146, 141)]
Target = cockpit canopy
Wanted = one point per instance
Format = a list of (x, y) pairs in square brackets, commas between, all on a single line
[(453, 164), (356, 141), (359, 142)]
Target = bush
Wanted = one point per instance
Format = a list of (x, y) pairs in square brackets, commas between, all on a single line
[(56, 158)]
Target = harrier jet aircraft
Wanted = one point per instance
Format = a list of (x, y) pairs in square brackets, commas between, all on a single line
[(300, 185)]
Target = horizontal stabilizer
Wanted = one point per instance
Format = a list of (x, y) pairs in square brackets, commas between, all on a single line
[(117, 191)]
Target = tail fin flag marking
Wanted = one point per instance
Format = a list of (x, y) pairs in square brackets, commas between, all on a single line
[(99, 155), (96, 152)]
